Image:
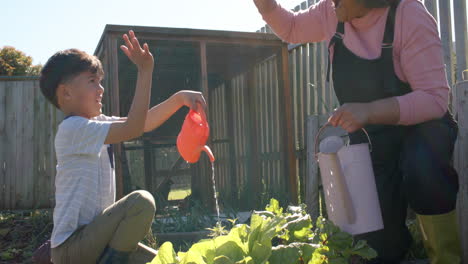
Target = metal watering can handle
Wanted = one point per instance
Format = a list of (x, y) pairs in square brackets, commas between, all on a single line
[(328, 124)]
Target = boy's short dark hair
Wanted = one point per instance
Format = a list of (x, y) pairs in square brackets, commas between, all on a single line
[(62, 67)]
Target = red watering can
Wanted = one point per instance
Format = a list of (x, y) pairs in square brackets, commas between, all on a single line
[(193, 136)]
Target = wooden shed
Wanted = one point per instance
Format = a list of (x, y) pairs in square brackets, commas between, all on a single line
[(244, 77)]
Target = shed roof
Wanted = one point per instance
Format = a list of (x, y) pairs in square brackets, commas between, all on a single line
[(191, 34)]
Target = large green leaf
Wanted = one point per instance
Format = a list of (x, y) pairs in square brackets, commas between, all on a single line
[(292, 253), (260, 252), (285, 254), (240, 235), (223, 260), (166, 255), (246, 260), (308, 251), (193, 257), (200, 253), (299, 230), (340, 260), (228, 248), (274, 207), (362, 249)]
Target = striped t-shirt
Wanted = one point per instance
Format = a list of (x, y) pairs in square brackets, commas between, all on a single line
[(85, 180)]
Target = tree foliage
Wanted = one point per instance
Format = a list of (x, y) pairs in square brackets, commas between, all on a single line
[(14, 62)]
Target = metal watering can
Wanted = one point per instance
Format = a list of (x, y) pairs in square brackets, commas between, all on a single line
[(193, 136), (349, 184)]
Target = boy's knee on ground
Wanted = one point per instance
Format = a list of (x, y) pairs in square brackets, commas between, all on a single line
[(144, 200)]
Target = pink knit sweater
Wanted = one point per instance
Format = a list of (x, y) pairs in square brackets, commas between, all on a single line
[(417, 53)]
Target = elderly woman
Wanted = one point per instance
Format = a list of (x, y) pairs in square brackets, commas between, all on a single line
[(389, 76)]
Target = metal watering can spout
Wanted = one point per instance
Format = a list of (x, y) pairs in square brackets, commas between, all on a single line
[(331, 166)]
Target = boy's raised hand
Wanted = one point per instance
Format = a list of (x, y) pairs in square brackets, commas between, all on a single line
[(142, 57)]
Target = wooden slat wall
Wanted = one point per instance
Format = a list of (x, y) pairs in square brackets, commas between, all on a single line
[(445, 23), (255, 98), (28, 123), (219, 134), (461, 162), (461, 36), (240, 125), (268, 130)]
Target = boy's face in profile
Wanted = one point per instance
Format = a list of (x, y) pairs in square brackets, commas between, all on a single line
[(82, 95)]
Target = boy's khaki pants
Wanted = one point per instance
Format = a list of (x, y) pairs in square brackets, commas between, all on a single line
[(120, 226)]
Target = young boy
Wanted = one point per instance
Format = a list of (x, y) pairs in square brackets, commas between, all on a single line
[(89, 226)]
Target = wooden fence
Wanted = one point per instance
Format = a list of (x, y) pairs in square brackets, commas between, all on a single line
[(461, 162), (28, 124)]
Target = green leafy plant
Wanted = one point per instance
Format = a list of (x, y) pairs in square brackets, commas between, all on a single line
[(21, 232), (274, 236), (198, 218)]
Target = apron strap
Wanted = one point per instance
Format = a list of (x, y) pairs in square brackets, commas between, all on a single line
[(339, 34), (391, 82)]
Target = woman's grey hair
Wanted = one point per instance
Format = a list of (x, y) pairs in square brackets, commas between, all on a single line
[(376, 3)]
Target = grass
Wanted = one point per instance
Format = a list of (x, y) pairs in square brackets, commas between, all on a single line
[(179, 194)]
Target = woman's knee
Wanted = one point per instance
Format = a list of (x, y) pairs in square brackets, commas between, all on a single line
[(430, 180)]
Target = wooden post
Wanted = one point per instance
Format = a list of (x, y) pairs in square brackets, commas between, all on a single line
[(312, 177), (287, 133), (461, 163), (113, 66), (204, 70), (28, 143), (232, 153), (446, 36), (148, 163), (3, 149), (205, 189), (10, 146), (461, 36), (255, 178)]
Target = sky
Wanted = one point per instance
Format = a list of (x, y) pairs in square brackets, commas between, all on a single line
[(40, 28)]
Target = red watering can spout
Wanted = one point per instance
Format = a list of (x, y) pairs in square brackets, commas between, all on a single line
[(209, 153), (193, 136)]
